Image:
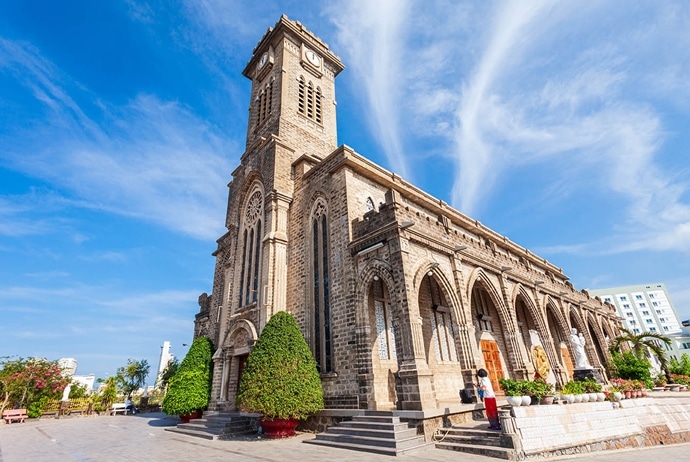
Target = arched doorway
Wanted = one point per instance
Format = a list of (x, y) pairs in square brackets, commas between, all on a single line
[(384, 348), (489, 333), (439, 331), (560, 340)]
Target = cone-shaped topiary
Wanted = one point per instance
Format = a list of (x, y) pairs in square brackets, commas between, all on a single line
[(190, 388), (280, 379)]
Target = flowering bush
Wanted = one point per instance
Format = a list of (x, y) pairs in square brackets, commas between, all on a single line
[(26, 381), (680, 379)]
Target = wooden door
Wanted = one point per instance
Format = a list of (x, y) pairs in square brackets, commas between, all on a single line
[(241, 362), (567, 361), (492, 359)]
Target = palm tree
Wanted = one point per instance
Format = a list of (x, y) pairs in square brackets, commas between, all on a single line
[(643, 344)]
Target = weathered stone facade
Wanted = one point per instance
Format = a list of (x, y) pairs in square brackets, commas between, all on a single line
[(401, 297)]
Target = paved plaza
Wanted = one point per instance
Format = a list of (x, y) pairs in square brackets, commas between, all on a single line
[(143, 438)]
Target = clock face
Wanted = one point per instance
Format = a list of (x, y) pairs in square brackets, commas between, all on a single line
[(263, 60), (313, 58)]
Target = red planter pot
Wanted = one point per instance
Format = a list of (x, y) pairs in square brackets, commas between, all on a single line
[(187, 417), (279, 428)]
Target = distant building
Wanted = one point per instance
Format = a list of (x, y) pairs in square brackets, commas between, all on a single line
[(644, 308), (649, 308), (68, 365), (166, 358), (86, 380)]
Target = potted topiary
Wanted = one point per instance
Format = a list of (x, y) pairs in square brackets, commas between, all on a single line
[(189, 389), (280, 380)]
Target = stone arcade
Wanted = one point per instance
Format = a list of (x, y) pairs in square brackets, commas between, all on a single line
[(401, 297)]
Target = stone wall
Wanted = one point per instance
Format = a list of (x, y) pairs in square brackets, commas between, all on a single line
[(543, 431)]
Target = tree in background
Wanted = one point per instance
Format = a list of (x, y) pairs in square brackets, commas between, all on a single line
[(169, 372), (681, 367), (643, 346), (629, 367), (189, 390), (107, 393), (27, 381), (79, 391), (132, 377)]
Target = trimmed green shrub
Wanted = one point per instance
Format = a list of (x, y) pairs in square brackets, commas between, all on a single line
[(190, 388), (281, 379), (628, 366)]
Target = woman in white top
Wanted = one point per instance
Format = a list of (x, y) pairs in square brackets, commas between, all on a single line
[(487, 389)]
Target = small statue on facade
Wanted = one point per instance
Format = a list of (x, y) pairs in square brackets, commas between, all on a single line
[(578, 341)]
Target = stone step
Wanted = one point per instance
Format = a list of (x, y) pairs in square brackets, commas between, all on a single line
[(389, 419), (398, 426), (369, 448), (397, 443), (196, 432), (471, 436), (216, 426), (489, 451), (405, 432)]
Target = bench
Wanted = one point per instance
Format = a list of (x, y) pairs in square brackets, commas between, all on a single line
[(14, 415), (118, 407)]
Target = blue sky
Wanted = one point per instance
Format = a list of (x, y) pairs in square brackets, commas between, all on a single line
[(562, 125)]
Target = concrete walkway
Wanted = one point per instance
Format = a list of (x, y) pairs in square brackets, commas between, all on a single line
[(143, 438)]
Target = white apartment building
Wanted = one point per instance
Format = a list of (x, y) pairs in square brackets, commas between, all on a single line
[(648, 308)]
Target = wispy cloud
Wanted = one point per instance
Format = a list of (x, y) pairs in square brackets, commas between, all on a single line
[(150, 159), (371, 36), (565, 88)]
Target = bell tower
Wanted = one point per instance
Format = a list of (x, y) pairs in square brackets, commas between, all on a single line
[(292, 113), (293, 90)]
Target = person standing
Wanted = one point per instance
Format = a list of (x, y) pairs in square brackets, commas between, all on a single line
[(484, 384)]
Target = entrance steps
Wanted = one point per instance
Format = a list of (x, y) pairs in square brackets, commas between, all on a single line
[(475, 439), (216, 426), (376, 431)]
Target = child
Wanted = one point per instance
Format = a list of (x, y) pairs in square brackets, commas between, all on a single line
[(489, 399)]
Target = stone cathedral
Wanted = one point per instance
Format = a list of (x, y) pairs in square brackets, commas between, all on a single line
[(400, 297)]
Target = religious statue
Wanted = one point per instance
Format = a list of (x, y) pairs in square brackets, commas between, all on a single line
[(578, 341), (541, 362)]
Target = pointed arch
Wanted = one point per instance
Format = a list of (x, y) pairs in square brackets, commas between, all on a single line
[(379, 316), (558, 327), (490, 316), (250, 244), (319, 296), (598, 339)]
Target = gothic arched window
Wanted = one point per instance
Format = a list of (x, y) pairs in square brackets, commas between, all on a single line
[(264, 102), (441, 324), (321, 312), (251, 249), (310, 100), (385, 334)]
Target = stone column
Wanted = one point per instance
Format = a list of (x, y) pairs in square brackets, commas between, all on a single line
[(414, 372), (516, 360), (273, 295), (465, 341)]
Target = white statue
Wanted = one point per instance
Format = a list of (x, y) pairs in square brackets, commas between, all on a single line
[(65, 392), (578, 341)]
